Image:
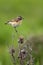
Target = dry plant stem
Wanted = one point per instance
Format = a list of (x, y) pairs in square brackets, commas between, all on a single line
[(12, 37), (13, 59), (15, 29), (21, 62), (31, 60), (12, 55), (29, 48)]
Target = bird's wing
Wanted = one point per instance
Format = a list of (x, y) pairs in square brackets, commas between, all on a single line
[(13, 20), (16, 19)]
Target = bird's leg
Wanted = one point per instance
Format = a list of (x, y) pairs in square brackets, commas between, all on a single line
[(15, 29)]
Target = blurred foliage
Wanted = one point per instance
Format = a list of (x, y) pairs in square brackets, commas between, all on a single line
[(31, 10)]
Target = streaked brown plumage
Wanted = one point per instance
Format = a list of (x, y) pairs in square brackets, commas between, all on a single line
[(15, 22)]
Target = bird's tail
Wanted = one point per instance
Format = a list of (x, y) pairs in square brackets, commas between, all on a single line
[(7, 22)]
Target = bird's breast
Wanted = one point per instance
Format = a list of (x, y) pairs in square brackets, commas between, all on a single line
[(14, 24)]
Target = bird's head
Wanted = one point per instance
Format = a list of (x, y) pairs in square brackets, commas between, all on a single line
[(20, 17)]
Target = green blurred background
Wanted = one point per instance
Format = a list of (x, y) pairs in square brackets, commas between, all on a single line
[(31, 10)]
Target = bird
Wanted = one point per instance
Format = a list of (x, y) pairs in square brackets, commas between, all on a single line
[(15, 22)]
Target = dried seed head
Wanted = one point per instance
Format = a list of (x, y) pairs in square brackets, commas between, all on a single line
[(11, 50), (22, 54), (23, 51), (21, 39)]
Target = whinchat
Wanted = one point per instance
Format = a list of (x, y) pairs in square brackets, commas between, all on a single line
[(15, 22)]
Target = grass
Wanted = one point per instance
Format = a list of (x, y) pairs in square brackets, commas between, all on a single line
[(31, 10)]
